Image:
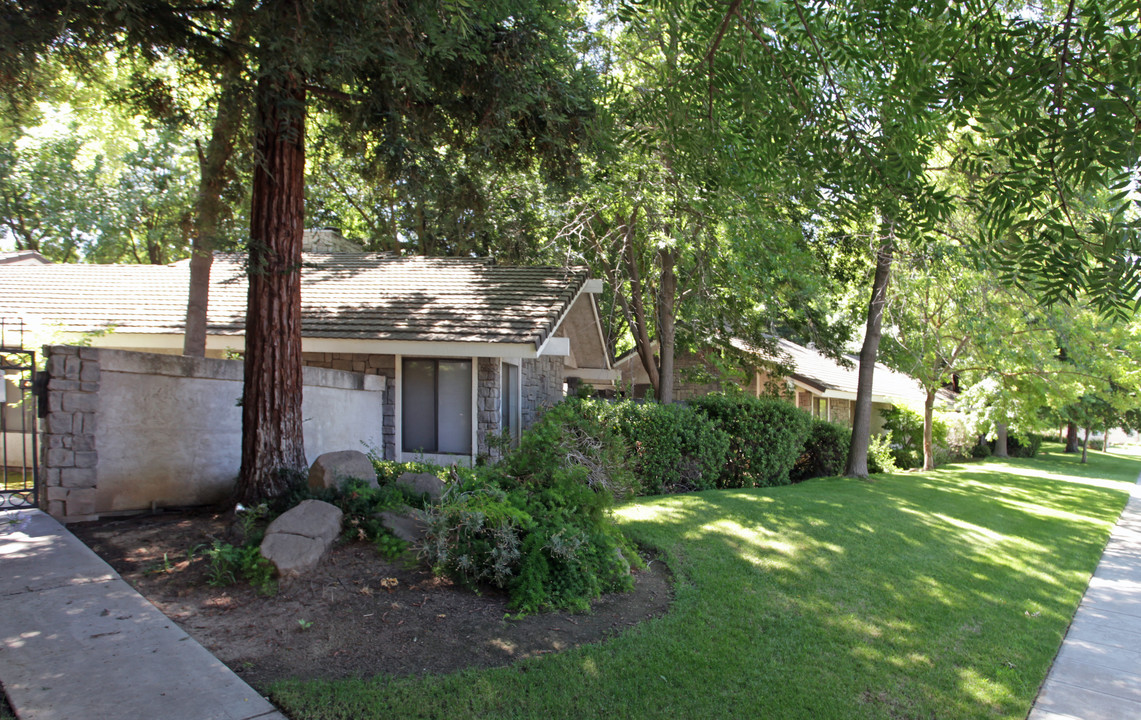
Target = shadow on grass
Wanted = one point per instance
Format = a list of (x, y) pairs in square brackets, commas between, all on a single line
[(913, 596)]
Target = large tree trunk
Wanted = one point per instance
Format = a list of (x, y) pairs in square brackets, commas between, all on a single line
[(1085, 444), (1000, 449), (272, 442), (1071, 437), (857, 465), (666, 327), (212, 167), (929, 431)]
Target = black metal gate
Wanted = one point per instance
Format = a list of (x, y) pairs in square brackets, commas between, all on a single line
[(19, 446)]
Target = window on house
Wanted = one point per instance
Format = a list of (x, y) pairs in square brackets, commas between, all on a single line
[(436, 406), (822, 408), (509, 401)]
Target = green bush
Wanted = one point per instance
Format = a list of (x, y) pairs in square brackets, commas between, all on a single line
[(766, 436), (1027, 446), (981, 451), (825, 451), (906, 428), (576, 433), (674, 448), (881, 459), (230, 564), (550, 545)]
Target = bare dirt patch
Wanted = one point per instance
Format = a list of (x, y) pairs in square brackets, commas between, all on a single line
[(359, 615)]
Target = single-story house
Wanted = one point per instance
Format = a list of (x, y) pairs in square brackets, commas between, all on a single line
[(817, 383), (469, 349)]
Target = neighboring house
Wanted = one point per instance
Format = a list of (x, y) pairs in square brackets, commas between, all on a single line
[(470, 349), (817, 384), (23, 257)]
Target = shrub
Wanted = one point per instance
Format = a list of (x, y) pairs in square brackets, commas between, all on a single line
[(230, 564), (981, 451), (880, 456), (766, 436), (576, 433), (825, 451), (550, 545), (1026, 446), (674, 448), (906, 428)]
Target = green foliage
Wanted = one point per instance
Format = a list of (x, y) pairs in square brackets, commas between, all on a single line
[(1027, 446), (550, 544), (825, 451), (766, 436), (674, 448), (387, 471), (880, 456), (362, 504), (579, 436), (906, 428), (981, 451), (230, 564)]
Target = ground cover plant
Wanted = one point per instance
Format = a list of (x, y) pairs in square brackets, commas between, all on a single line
[(944, 594)]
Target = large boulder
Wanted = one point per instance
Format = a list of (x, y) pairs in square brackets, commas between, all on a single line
[(297, 540), (334, 468), (423, 484), (409, 524)]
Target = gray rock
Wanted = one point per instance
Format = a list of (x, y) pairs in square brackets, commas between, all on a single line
[(333, 468), (423, 484), (296, 541), (408, 525)]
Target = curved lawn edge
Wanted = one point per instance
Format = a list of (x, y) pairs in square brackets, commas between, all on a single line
[(941, 594)]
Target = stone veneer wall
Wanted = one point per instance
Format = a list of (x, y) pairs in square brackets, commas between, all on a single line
[(488, 394), (69, 440), (840, 411), (541, 381), (369, 365)]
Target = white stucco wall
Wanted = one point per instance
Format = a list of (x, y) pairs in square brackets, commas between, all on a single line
[(168, 428)]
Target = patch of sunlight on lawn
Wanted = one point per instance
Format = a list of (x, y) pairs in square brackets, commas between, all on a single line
[(996, 468), (982, 689)]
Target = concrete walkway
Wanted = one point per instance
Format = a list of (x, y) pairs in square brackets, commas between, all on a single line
[(1097, 674), (80, 643)]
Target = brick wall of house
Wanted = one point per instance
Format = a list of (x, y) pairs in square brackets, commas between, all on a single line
[(369, 365)]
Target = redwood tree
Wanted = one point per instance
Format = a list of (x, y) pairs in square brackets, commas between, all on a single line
[(272, 440)]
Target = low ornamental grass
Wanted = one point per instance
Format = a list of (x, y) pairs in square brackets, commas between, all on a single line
[(944, 594)]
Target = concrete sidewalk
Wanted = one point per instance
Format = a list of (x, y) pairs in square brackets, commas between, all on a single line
[(79, 643), (1097, 674)]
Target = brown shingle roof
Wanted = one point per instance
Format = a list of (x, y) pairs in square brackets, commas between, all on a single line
[(344, 295)]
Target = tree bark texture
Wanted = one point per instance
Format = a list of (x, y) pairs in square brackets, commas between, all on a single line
[(1085, 445), (638, 308), (666, 327), (1071, 437), (272, 442), (1000, 446), (208, 208), (929, 431), (857, 465)]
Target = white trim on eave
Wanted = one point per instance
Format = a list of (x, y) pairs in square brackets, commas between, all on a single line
[(451, 349)]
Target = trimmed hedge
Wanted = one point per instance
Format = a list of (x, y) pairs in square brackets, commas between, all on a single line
[(674, 448), (825, 451), (766, 436)]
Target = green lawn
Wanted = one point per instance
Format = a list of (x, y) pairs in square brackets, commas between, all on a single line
[(939, 595)]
